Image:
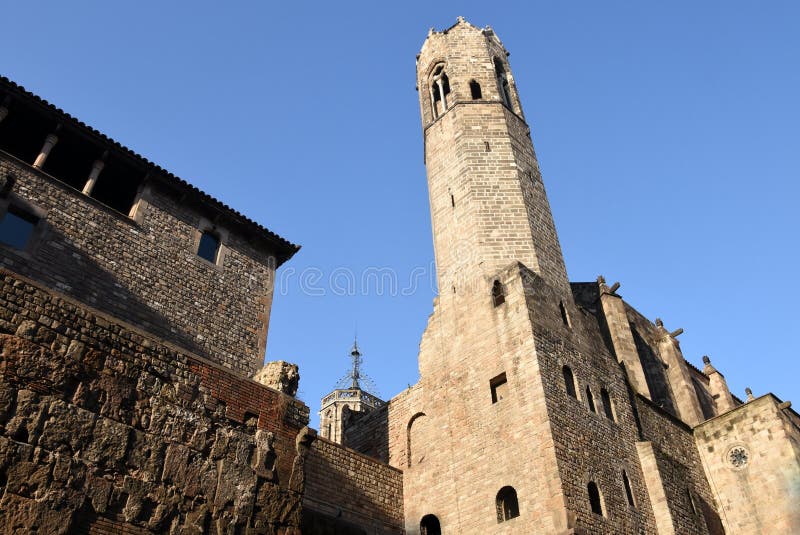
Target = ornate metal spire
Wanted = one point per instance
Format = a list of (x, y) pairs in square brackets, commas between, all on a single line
[(356, 379), (355, 372)]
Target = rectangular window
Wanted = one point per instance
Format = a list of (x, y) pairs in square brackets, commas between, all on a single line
[(499, 386), (16, 228), (208, 247)]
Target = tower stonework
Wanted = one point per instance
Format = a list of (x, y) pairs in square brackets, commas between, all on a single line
[(545, 406), (488, 205)]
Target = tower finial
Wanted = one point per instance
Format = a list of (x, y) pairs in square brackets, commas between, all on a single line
[(355, 372)]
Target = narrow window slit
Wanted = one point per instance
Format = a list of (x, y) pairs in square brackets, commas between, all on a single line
[(628, 490), (498, 293), (590, 400), (564, 314), (607, 407), (499, 387), (475, 90), (569, 382)]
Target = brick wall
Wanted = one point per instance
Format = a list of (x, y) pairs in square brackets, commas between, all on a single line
[(100, 422), (146, 270), (354, 489)]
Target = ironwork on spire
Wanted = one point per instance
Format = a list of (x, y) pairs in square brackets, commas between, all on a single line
[(356, 379), (355, 372)]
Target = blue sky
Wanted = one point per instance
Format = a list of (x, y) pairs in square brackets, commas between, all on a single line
[(667, 135)]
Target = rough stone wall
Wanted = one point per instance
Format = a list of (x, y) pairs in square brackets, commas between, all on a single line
[(354, 489), (758, 491), (147, 270), (680, 471), (105, 429)]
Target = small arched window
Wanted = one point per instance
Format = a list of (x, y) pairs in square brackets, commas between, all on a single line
[(607, 407), (590, 399), (429, 525), (628, 491), (502, 82), (475, 90), (595, 499), (415, 437), (439, 88), (569, 382), (507, 505), (498, 293), (208, 248)]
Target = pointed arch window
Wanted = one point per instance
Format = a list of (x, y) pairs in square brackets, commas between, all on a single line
[(595, 498), (439, 89), (507, 504), (628, 491)]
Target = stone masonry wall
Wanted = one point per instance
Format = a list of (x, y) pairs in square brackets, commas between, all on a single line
[(459, 448), (104, 429), (147, 270), (751, 455), (354, 489), (368, 433), (487, 200), (690, 501), (590, 446), (644, 335), (372, 433)]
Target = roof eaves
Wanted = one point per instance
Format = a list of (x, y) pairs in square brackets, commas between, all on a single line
[(285, 248)]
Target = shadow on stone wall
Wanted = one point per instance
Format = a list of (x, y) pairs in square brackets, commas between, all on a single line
[(349, 494), (62, 266), (101, 427)]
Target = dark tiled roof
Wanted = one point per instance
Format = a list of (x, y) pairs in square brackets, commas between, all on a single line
[(282, 247)]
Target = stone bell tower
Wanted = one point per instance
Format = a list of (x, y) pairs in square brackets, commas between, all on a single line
[(347, 401), (488, 203), (495, 245), (524, 420)]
